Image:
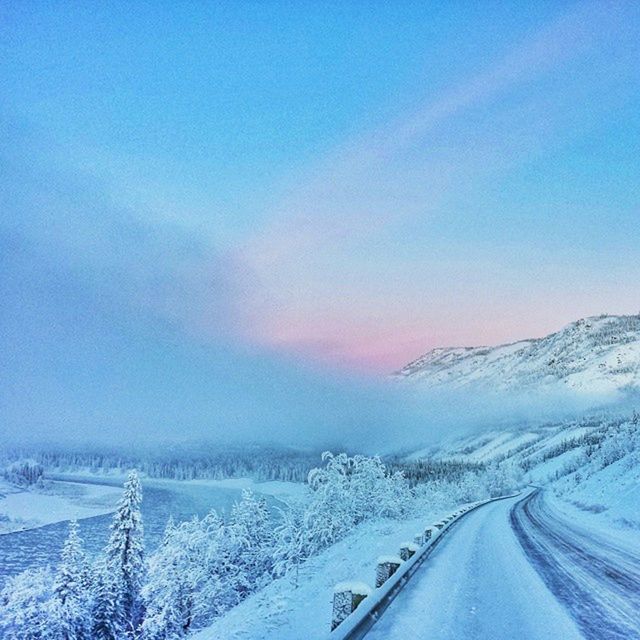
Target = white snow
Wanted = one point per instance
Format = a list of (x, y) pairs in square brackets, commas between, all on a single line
[(477, 584), (608, 500), (27, 509), (276, 488), (599, 355), (359, 588), (282, 612)]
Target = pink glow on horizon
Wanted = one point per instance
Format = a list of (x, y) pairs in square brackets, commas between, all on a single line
[(348, 339), (382, 346), (345, 271), (321, 293)]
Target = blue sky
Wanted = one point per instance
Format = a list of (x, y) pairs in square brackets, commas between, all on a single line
[(200, 196)]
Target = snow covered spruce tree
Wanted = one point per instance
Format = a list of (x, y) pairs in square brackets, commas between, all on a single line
[(72, 589), (119, 610), (107, 619), (41, 605)]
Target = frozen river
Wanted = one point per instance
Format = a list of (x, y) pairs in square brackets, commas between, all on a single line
[(37, 547)]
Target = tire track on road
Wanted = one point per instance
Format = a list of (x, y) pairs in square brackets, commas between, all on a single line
[(602, 592)]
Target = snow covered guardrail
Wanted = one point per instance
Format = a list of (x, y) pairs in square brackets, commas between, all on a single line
[(356, 606)]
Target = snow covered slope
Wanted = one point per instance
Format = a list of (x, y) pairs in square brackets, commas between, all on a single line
[(593, 355), (592, 463)]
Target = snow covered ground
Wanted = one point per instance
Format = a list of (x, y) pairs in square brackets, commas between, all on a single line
[(595, 577), (486, 585), (488, 579), (609, 500), (520, 569), (35, 507), (284, 491), (479, 583)]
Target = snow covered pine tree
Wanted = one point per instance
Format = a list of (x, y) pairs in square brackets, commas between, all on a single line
[(72, 589), (119, 606)]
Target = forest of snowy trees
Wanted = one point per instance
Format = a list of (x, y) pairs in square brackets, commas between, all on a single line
[(207, 565), (83, 599), (24, 473), (202, 461), (261, 463)]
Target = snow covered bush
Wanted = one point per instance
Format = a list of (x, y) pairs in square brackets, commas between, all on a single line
[(292, 544), (205, 566), (620, 441), (183, 588), (27, 607), (349, 490), (252, 531)]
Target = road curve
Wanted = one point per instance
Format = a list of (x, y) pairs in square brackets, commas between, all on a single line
[(597, 581), (478, 584)]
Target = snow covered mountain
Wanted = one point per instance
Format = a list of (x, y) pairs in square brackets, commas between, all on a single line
[(593, 355)]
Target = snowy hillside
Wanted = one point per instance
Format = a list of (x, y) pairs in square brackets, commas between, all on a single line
[(592, 463), (593, 355)]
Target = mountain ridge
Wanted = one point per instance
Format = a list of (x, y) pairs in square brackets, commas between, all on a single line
[(597, 354)]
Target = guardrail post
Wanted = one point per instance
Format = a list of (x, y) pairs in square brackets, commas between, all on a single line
[(407, 549), (346, 598), (386, 567)]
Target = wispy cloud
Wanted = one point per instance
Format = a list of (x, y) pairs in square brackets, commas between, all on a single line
[(339, 273), (318, 293)]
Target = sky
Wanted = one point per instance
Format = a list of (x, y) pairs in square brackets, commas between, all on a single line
[(234, 218)]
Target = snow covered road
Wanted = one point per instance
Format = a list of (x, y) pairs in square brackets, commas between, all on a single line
[(597, 580), (513, 570)]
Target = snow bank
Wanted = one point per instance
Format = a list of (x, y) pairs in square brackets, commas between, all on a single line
[(276, 488), (359, 588), (27, 509)]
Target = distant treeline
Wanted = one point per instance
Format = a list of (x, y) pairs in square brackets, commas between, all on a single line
[(190, 463), (261, 463), (419, 471)]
